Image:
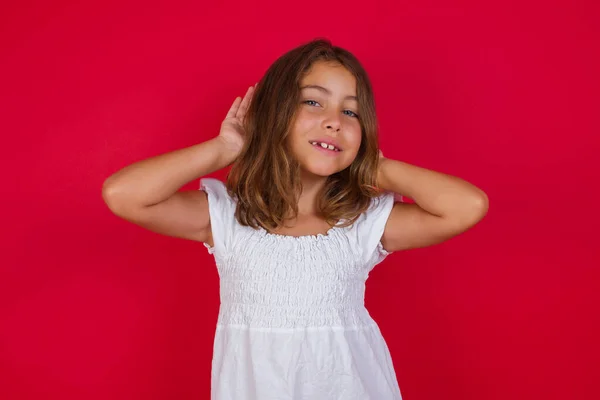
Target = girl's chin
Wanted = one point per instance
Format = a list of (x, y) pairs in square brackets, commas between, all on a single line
[(314, 171)]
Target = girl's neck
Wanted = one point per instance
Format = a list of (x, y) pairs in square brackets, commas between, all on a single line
[(311, 188)]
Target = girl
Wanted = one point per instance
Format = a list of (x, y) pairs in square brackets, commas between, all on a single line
[(307, 211)]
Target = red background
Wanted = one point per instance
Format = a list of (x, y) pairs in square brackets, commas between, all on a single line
[(504, 95)]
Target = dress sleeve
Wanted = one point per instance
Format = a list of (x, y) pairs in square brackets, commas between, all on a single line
[(371, 225), (221, 208)]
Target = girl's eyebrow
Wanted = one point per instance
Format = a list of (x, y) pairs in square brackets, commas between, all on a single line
[(327, 91)]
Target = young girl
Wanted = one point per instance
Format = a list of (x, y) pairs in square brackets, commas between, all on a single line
[(308, 210)]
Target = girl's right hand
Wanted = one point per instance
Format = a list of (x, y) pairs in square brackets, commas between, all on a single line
[(232, 131)]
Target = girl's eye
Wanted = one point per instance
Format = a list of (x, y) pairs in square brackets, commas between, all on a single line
[(351, 113), (315, 103)]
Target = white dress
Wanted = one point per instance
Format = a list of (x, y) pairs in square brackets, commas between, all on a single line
[(292, 323)]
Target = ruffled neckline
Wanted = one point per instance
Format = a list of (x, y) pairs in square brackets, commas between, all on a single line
[(312, 237)]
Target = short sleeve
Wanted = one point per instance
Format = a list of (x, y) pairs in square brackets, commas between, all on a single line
[(221, 208), (370, 226)]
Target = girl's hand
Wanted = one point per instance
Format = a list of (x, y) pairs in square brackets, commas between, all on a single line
[(232, 128)]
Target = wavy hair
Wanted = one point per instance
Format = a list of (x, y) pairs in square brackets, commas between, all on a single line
[(265, 178)]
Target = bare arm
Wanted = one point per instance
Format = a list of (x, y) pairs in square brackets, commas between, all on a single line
[(147, 192), (445, 205)]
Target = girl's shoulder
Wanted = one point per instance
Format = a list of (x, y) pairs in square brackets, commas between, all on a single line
[(369, 227), (379, 208), (214, 186), (221, 209)]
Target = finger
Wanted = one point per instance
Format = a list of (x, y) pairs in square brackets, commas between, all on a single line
[(234, 107), (252, 95), (245, 103)]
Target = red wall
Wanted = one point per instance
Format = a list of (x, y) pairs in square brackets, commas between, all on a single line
[(503, 95)]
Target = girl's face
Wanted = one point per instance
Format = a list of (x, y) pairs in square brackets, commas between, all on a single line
[(326, 134)]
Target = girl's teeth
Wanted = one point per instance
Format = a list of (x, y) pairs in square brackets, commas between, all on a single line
[(324, 145)]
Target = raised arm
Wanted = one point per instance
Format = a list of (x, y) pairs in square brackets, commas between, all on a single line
[(445, 205), (147, 194)]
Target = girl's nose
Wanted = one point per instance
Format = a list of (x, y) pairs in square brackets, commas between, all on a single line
[(333, 123)]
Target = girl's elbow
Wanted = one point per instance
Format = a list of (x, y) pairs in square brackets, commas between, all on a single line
[(114, 198), (478, 209)]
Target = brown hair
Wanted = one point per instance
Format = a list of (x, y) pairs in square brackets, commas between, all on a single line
[(265, 178)]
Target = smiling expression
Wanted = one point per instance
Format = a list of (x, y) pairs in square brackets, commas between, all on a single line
[(326, 134)]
